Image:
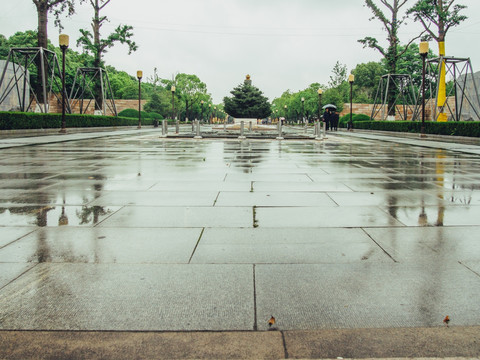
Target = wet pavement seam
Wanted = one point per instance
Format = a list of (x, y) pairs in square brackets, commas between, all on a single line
[(380, 246), (285, 350), (255, 323), (19, 276), (21, 237), (476, 273), (109, 216), (196, 245)]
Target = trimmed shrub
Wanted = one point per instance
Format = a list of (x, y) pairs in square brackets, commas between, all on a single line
[(19, 120), (361, 117), (460, 128)]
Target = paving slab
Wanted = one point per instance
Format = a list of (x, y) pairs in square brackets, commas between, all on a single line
[(274, 198), (130, 297), (393, 197), (190, 185), (392, 343), (141, 345), (458, 215), (184, 217), (367, 295), (54, 215), (305, 217), (9, 234), (156, 198), (103, 245), (430, 244), (287, 246), (9, 272), (300, 186)]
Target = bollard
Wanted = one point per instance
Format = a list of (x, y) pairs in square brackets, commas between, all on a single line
[(164, 128), (177, 126), (279, 127), (197, 125), (242, 129), (225, 124), (250, 126)]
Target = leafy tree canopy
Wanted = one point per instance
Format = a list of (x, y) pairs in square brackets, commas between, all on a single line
[(247, 102)]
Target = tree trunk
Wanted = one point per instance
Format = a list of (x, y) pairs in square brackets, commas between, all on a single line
[(42, 39), (96, 23)]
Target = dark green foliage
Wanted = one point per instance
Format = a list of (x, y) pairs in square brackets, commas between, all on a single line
[(342, 122), (247, 102), (361, 117), (456, 128), (17, 120), (133, 113)]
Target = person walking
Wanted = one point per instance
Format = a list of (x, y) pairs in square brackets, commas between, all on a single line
[(327, 118), (334, 119)]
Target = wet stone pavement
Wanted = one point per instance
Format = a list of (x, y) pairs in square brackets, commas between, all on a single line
[(135, 232)]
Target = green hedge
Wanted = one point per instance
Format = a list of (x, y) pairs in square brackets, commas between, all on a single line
[(133, 113), (456, 128), (342, 122), (19, 120)]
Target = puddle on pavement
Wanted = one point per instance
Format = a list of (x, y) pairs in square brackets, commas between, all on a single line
[(54, 215)]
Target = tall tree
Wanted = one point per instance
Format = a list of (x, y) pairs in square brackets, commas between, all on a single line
[(392, 19), (57, 7), (437, 17), (44, 7), (92, 42), (191, 90), (247, 102)]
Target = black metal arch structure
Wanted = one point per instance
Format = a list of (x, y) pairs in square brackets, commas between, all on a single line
[(394, 90), (465, 90), (83, 90), (47, 63)]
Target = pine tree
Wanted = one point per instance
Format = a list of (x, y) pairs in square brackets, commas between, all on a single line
[(247, 102)]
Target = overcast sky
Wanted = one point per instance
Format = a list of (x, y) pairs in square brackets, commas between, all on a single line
[(282, 44)]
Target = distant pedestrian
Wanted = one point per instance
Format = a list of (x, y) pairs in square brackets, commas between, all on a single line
[(327, 118), (335, 118)]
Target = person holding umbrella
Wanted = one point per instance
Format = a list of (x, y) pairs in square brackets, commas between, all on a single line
[(328, 115)]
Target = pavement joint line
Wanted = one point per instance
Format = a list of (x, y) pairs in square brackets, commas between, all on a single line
[(196, 245), (476, 273), (380, 246), (285, 350), (255, 320), (19, 276)]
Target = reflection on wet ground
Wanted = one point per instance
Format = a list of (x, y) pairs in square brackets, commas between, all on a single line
[(383, 227)]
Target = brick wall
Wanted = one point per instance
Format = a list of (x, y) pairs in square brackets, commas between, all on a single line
[(367, 109), (55, 105)]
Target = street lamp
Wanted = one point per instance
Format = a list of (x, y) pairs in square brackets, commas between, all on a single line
[(173, 101), (351, 79), (63, 42), (285, 113), (303, 109), (320, 92), (423, 54), (215, 114), (139, 77), (201, 105)]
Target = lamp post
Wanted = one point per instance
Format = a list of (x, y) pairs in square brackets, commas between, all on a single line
[(285, 113), (201, 105), (351, 79), (173, 101), (320, 92), (63, 42), (423, 54), (303, 110), (139, 77), (215, 114)]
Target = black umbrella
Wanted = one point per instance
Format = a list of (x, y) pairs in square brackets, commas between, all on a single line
[(329, 106)]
